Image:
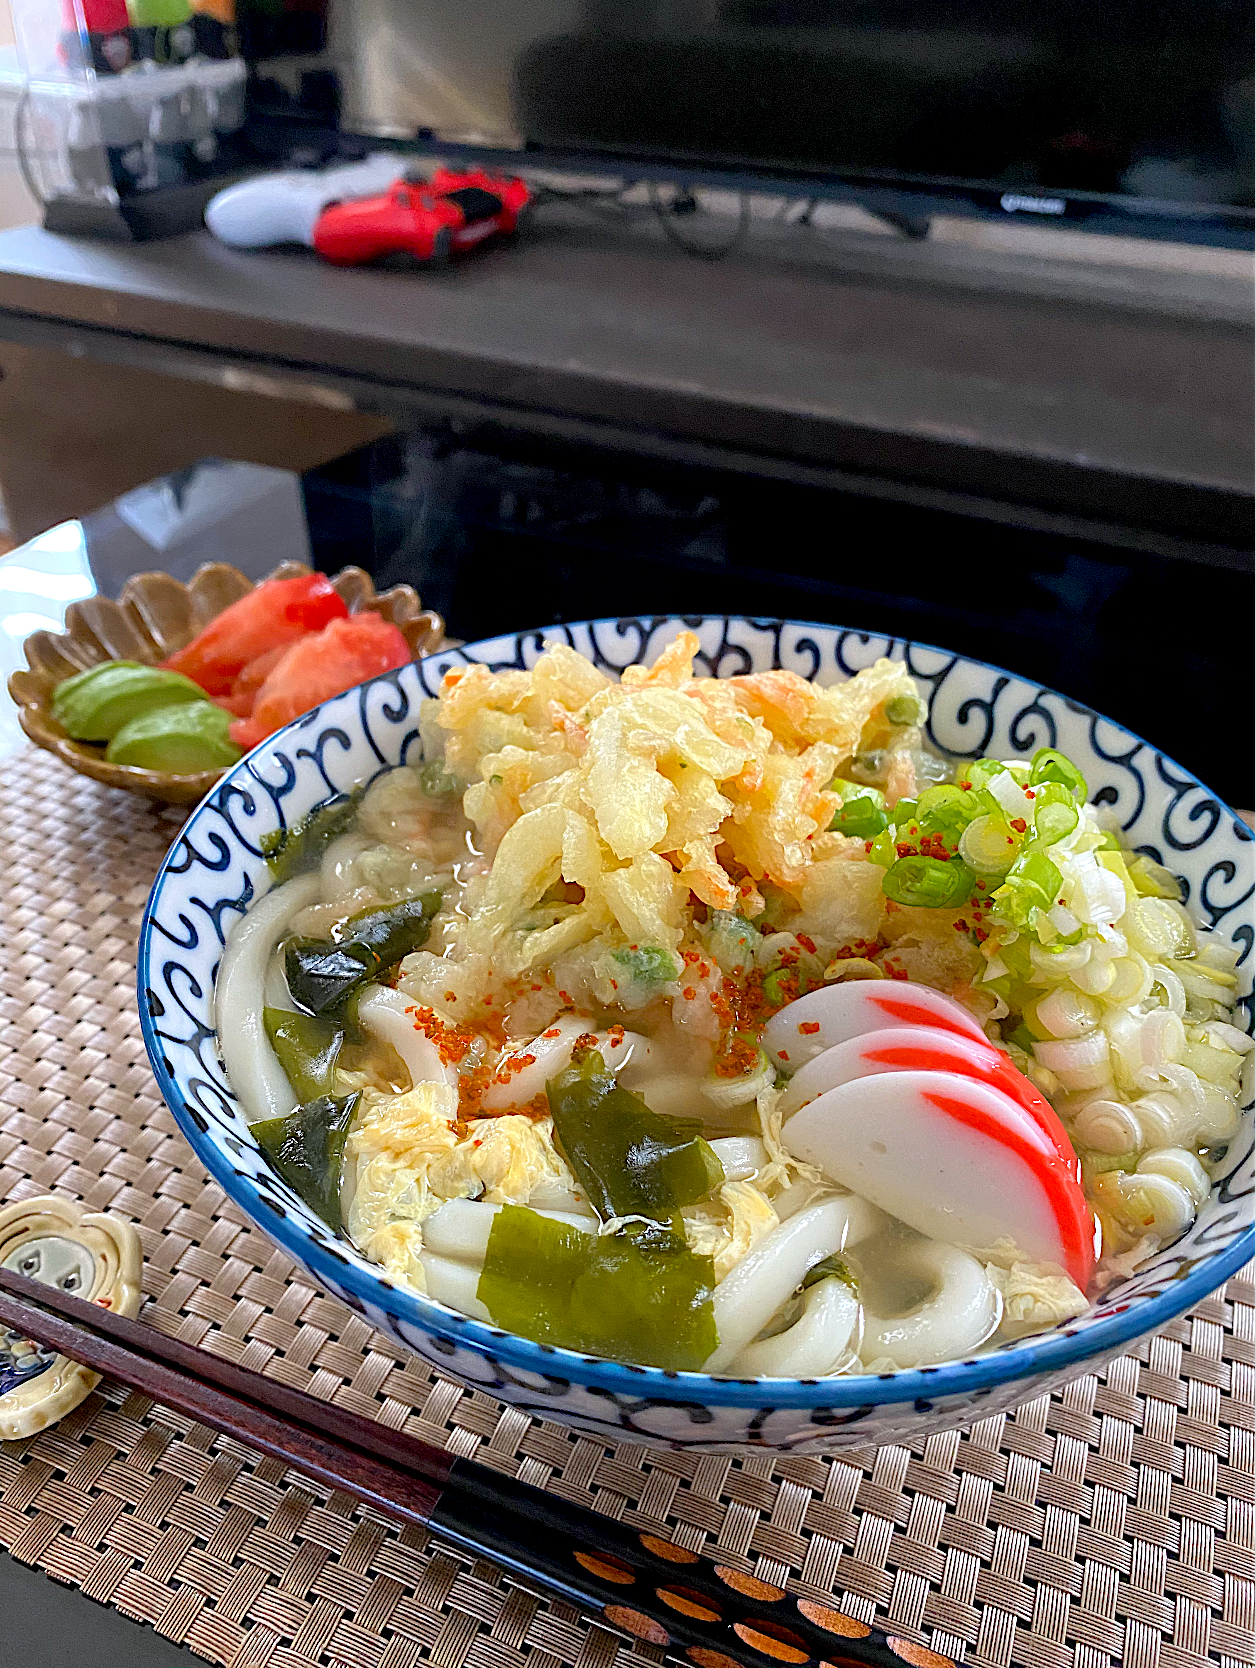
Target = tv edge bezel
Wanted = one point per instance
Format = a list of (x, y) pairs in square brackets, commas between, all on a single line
[(1211, 225)]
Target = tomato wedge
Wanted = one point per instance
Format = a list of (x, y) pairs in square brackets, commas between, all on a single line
[(247, 686), (272, 616), (318, 666)]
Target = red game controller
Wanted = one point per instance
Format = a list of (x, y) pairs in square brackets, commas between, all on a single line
[(428, 219)]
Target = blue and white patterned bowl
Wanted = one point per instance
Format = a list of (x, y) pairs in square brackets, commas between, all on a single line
[(208, 879)]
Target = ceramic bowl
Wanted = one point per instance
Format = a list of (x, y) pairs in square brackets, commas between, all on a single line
[(974, 710), (155, 615)]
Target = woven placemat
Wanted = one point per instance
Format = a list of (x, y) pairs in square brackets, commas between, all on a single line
[(1109, 1524)]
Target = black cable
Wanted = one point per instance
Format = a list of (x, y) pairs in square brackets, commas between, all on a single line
[(666, 215)]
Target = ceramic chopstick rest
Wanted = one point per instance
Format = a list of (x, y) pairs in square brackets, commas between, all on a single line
[(86, 1253)]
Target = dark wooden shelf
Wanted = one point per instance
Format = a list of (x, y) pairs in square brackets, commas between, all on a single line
[(1113, 403)]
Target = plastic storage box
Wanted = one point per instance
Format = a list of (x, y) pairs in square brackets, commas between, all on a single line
[(130, 109)]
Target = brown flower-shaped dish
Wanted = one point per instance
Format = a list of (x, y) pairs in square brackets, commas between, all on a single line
[(154, 616)]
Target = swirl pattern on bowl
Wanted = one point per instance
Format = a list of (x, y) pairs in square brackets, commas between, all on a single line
[(208, 880)]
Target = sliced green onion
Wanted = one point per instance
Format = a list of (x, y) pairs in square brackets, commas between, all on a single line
[(1032, 886), (903, 813), (1153, 880), (989, 845), (1049, 766), (862, 814), (947, 810), (435, 780), (1053, 822), (928, 882), (883, 852), (981, 771), (787, 984)]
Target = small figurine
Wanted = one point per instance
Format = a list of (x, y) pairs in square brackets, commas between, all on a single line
[(88, 1254)]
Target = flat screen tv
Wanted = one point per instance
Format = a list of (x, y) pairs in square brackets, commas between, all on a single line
[(1130, 116)]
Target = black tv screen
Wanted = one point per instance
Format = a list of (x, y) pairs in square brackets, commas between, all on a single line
[(1129, 114)]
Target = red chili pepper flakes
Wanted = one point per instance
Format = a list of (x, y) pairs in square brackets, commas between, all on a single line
[(512, 1065), (808, 943), (584, 1042), (737, 1058), (809, 1028), (905, 849), (1019, 824), (781, 1054), (471, 1089), (688, 993), (567, 999), (615, 1035), (960, 926), (453, 1042), (614, 984), (552, 1032), (859, 948)]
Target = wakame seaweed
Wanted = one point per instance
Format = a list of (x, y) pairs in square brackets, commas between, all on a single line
[(299, 849), (307, 1048), (629, 1160), (324, 973), (635, 1295), (307, 1149)]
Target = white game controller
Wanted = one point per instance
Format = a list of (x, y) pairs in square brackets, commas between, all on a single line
[(284, 207)]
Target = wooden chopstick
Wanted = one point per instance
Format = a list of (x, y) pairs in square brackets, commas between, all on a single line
[(99, 1341), (395, 1447), (641, 1584)]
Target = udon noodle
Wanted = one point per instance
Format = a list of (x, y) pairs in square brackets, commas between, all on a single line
[(722, 1025)]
